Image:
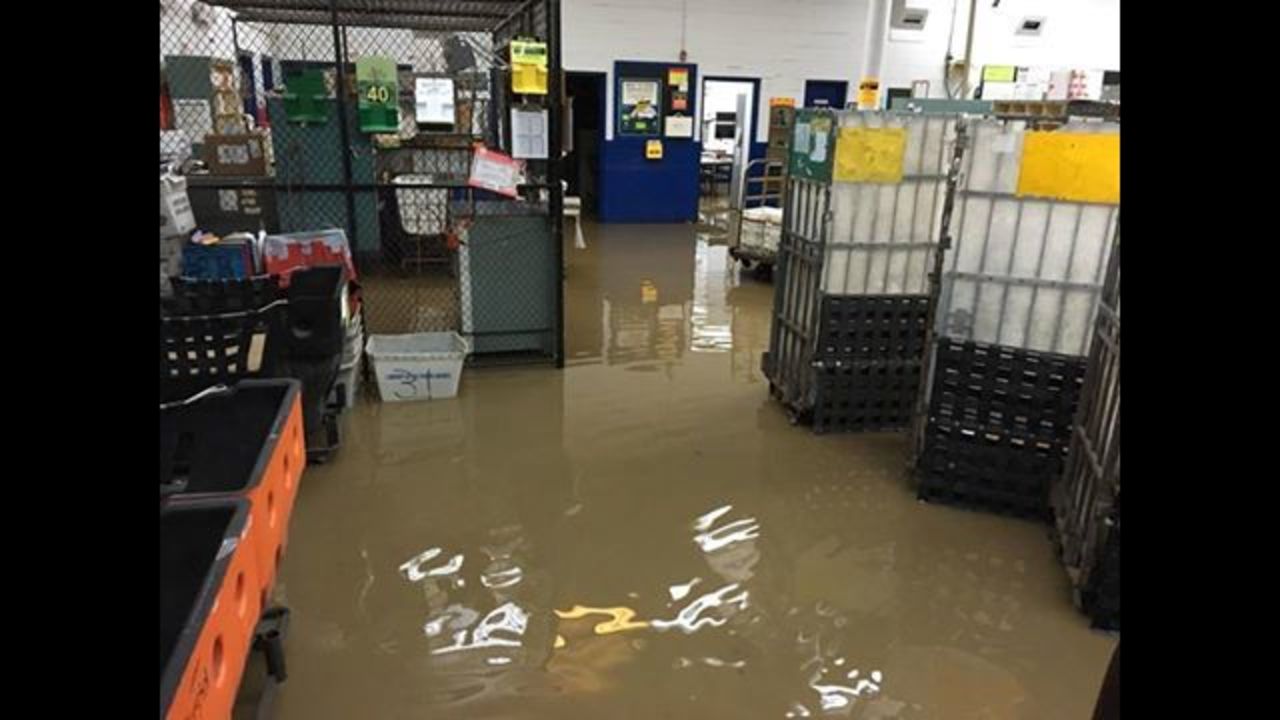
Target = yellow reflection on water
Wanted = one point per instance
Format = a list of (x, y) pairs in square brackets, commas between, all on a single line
[(621, 618)]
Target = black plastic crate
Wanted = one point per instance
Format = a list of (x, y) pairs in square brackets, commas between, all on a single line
[(872, 327), (194, 296), (865, 396), (977, 372), (197, 352)]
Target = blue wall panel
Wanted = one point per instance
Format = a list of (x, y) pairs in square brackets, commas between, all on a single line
[(634, 189)]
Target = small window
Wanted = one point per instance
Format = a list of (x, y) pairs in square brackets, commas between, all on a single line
[(907, 18), (1032, 26)]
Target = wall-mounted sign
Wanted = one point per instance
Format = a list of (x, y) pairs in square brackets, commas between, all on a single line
[(679, 78), (494, 171), (434, 101), (679, 126), (529, 67), (653, 150), (378, 92)]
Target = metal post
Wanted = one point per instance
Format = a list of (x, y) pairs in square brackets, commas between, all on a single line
[(920, 424), (556, 206), (340, 65)]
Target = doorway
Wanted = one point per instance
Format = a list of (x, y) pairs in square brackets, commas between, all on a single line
[(825, 93), (584, 133), (729, 117)]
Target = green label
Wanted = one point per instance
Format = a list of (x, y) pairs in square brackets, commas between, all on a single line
[(378, 89)]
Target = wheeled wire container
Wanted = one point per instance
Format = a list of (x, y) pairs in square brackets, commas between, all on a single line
[(863, 219), (1086, 498), (1036, 211)]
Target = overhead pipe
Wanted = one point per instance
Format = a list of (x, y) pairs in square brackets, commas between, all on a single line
[(968, 50)]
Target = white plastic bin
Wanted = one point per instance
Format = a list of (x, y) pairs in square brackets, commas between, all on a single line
[(420, 366)]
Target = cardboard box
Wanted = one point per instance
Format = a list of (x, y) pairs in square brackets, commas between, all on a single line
[(236, 154)]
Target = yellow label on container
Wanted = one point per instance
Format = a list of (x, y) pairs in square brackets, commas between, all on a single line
[(1080, 167), (870, 155), (782, 102)]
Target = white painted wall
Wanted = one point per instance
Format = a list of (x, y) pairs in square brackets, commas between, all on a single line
[(785, 42)]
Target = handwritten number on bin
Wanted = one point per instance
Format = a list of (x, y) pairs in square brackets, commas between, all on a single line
[(408, 381)]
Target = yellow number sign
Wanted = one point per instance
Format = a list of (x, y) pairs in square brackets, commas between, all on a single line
[(1080, 167), (870, 155)]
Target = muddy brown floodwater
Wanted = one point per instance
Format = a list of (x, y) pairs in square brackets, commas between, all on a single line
[(643, 535)]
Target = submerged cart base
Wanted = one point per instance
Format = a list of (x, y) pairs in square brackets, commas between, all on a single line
[(866, 369)]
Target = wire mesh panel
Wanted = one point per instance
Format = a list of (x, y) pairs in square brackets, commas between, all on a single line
[(368, 112), (1024, 271), (884, 233), (797, 292), (1086, 498)]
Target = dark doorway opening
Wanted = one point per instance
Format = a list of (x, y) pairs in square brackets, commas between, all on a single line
[(585, 115)]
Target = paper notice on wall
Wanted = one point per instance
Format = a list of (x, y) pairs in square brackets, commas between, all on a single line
[(494, 171), (679, 127), (801, 141), (635, 92), (819, 152), (529, 134), (678, 77), (433, 101), (193, 117)]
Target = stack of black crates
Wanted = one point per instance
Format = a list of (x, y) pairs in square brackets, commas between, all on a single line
[(222, 331), (868, 361), (998, 427)]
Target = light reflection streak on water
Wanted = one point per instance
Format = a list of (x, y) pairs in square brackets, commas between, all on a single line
[(711, 329), (681, 590), (706, 521), (621, 618), (736, 531), (689, 621), (507, 618), (500, 579), (836, 697), (412, 568)]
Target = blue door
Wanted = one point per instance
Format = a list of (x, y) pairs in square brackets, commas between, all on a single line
[(825, 93)]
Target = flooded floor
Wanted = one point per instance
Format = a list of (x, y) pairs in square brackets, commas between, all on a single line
[(643, 535)]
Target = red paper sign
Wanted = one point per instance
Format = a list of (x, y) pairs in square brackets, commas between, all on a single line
[(495, 172)]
